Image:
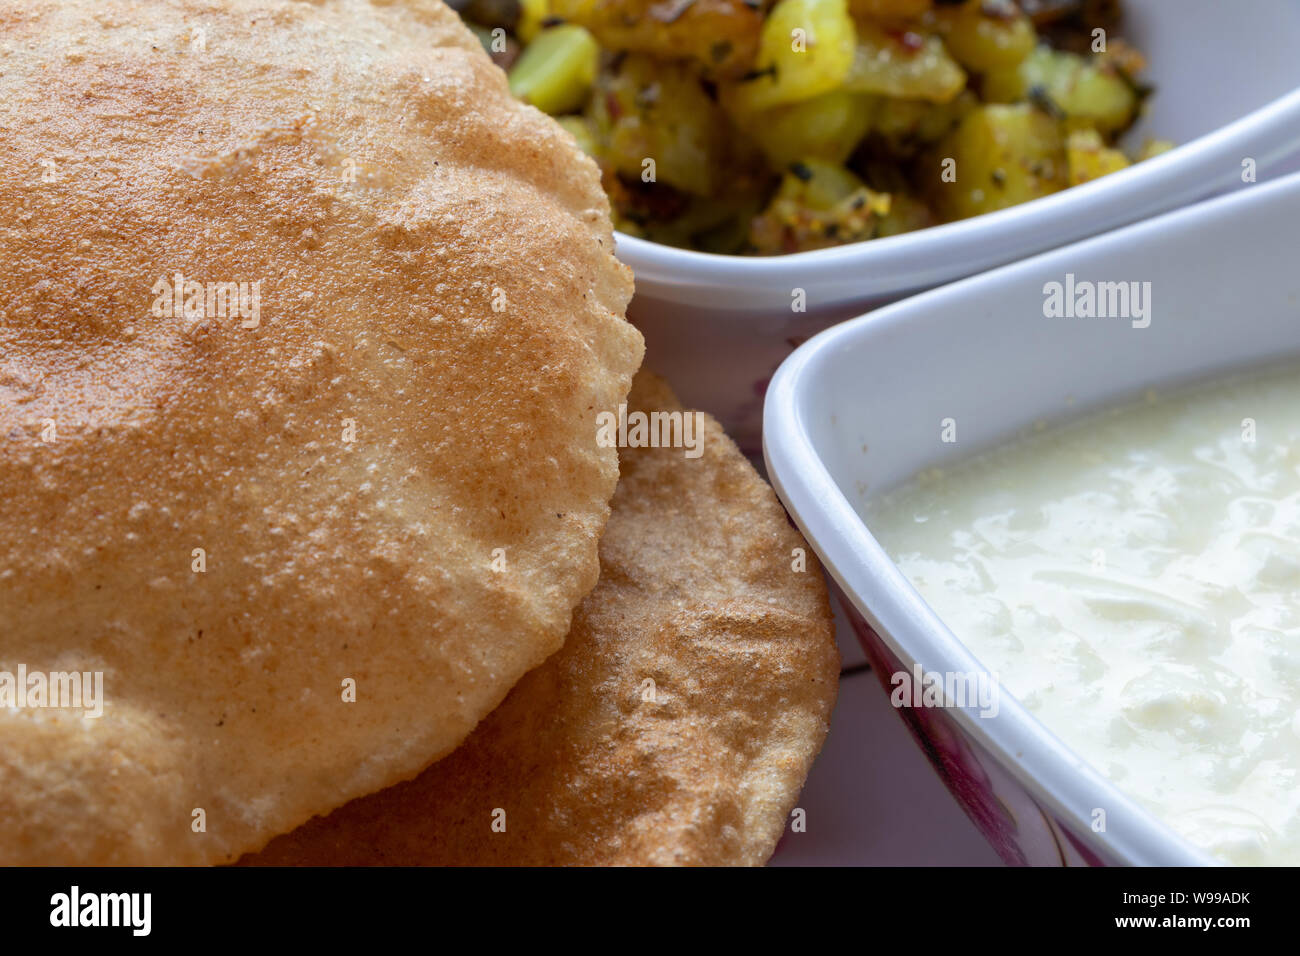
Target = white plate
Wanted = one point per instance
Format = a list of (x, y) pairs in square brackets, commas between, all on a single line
[(858, 410)]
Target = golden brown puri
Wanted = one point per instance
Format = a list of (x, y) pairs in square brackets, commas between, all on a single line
[(440, 318), (698, 593)]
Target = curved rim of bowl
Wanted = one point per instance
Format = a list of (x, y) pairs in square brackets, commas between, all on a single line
[(1189, 171)]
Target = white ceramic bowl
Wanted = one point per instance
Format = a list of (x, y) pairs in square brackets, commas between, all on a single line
[(858, 409), (1224, 72)]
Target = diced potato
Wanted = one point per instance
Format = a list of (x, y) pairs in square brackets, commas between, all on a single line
[(827, 127), (1083, 89), (823, 186), (580, 129), (722, 227), (1088, 157), (807, 49), (1047, 12), (531, 15), (905, 125), (719, 36), (491, 13), (648, 110), (906, 214), (818, 205), (889, 9), (661, 214), (1154, 147), (779, 126), (909, 66), (556, 70), (1003, 155), (1123, 56), (983, 36)]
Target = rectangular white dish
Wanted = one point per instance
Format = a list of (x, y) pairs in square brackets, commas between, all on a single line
[(857, 410)]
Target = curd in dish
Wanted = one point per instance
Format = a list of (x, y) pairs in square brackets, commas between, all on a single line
[(1134, 580)]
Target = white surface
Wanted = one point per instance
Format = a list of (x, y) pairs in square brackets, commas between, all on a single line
[(858, 409), (872, 798)]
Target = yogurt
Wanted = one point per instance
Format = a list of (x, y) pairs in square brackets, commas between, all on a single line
[(1134, 580)]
